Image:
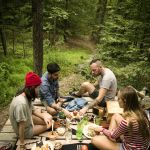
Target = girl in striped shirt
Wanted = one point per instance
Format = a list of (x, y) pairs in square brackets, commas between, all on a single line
[(132, 127)]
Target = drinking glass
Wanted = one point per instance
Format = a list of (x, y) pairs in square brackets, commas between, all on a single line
[(97, 120), (68, 135)]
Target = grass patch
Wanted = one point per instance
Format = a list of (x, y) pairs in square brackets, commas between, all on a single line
[(13, 69)]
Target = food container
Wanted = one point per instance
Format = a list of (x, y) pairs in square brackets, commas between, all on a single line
[(52, 135), (57, 146), (61, 131)]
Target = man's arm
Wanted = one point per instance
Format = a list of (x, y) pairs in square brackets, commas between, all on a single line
[(58, 108), (102, 93), (96, 83), (21, 133)]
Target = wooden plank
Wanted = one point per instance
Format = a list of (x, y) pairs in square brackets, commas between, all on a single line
[(7, 129), (8, 137), (32, 140), (8, 123)]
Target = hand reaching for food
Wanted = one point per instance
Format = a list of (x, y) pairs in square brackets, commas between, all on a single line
[(98, 129)]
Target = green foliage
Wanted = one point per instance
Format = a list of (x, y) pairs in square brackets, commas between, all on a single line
[(124, 42), (12, 72), (67, 59), (5, 72), (13, 69)]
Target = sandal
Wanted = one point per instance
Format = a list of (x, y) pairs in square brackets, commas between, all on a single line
[(74, 94)]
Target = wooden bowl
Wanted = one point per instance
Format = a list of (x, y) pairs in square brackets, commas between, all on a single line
[(52, 135), (57, 146)]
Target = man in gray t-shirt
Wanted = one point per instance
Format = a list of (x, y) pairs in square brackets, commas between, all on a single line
[(107, 86)]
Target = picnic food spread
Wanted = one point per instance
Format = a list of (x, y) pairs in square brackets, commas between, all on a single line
[(42, 146), (52, 135), (57, 146)]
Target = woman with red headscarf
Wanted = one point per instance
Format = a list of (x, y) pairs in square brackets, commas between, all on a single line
[(25, 120)]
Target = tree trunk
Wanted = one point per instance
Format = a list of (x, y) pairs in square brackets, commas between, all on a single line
[(100, 16), (37, 9), (23, 46), (2, 32), (54, 32), (13, 41), (66, 23), (3, 39)]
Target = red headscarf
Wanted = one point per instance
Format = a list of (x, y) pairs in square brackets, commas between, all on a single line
[(32, 79)]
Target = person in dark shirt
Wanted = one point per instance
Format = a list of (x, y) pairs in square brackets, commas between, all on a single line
[(49, 90)]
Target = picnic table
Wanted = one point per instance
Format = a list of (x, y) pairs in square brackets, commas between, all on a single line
[(8, 135), (29, 143)]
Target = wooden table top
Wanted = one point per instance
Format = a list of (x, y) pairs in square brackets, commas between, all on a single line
[(44, 137)]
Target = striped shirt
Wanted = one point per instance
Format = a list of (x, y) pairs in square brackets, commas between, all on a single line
[(133, 140)]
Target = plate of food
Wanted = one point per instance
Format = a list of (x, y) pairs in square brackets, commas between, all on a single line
[(74, 121), (89, 132), (75, 118), (75, 114), (43, 145)]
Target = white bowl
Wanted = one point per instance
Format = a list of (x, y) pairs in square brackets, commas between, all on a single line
[(61, 131)]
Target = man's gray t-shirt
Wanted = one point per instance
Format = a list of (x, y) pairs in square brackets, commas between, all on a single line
[(21, 110), (109, 82)]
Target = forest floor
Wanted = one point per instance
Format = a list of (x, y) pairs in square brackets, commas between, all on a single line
[(66, 84)]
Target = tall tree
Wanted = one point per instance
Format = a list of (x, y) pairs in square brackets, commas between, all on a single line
[(37, 9), (2, 31), (100, 15)]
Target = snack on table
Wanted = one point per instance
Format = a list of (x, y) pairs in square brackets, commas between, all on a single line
[(61, 131), (44, 147), (52, 135), (75, 117), (57, 146), (75, 114), (41, 146), (91, 132)]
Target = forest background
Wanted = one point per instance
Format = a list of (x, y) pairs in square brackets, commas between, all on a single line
[(36, 32)]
